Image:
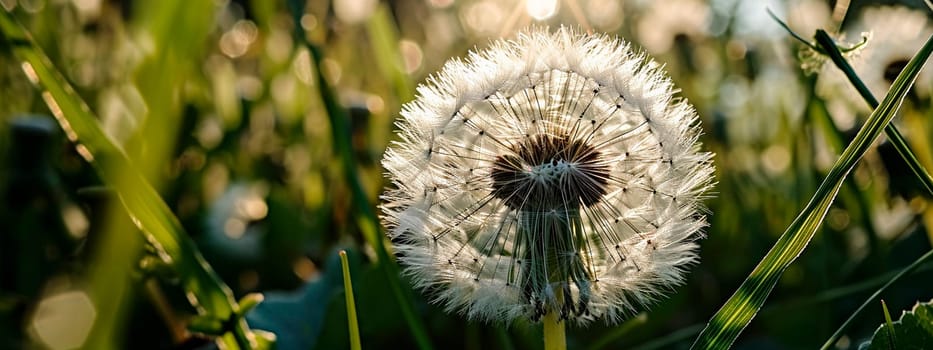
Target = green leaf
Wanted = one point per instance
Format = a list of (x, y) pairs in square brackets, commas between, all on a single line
[(726, 325), (913, 331)]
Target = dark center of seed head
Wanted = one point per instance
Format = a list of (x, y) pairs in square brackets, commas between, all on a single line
[(546, 172)]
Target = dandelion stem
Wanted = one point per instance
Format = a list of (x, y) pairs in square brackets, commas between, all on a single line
[(554, 337)]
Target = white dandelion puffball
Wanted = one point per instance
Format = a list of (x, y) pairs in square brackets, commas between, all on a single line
[(553, 173)]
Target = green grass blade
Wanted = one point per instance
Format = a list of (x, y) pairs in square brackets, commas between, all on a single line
[(894, 136), (889, 323), (384, 35), (352, 323), (143, 204), (178, 31), (726, 325), (367, 221)]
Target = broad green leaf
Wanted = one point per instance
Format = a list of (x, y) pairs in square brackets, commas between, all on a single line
[(726, 325), (913, 331)]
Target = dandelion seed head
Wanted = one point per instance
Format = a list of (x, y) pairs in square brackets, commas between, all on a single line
[(557, 172)]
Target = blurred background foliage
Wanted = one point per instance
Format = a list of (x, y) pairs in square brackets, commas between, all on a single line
[(219, 105)]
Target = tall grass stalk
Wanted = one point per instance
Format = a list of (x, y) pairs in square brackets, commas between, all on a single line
[(726, 325)]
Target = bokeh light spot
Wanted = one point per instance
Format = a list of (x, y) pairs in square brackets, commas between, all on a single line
[(304, 268), (75, 221), (776, 159), (63, 321), (483, 17), (411, 54), (234, 228), (354, 11), (541, 9), (308, 22)]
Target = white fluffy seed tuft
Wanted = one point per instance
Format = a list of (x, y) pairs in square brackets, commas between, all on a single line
[(553, 173)]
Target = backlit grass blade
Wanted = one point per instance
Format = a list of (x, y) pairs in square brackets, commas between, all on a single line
[(366, 218), (352, 324), (143, 204), (726, 325), (894, 136), (889, 323), (385, 38)]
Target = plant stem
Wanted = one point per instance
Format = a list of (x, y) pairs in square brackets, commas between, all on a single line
[(554, 336)]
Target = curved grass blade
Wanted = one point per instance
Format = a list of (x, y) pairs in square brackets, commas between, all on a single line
[(726, 325), (384, 33), (210, 296)]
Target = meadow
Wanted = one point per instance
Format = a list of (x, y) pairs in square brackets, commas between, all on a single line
[(182, 174)]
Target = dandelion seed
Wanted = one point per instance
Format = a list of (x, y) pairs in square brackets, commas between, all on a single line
[(554, 173)]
